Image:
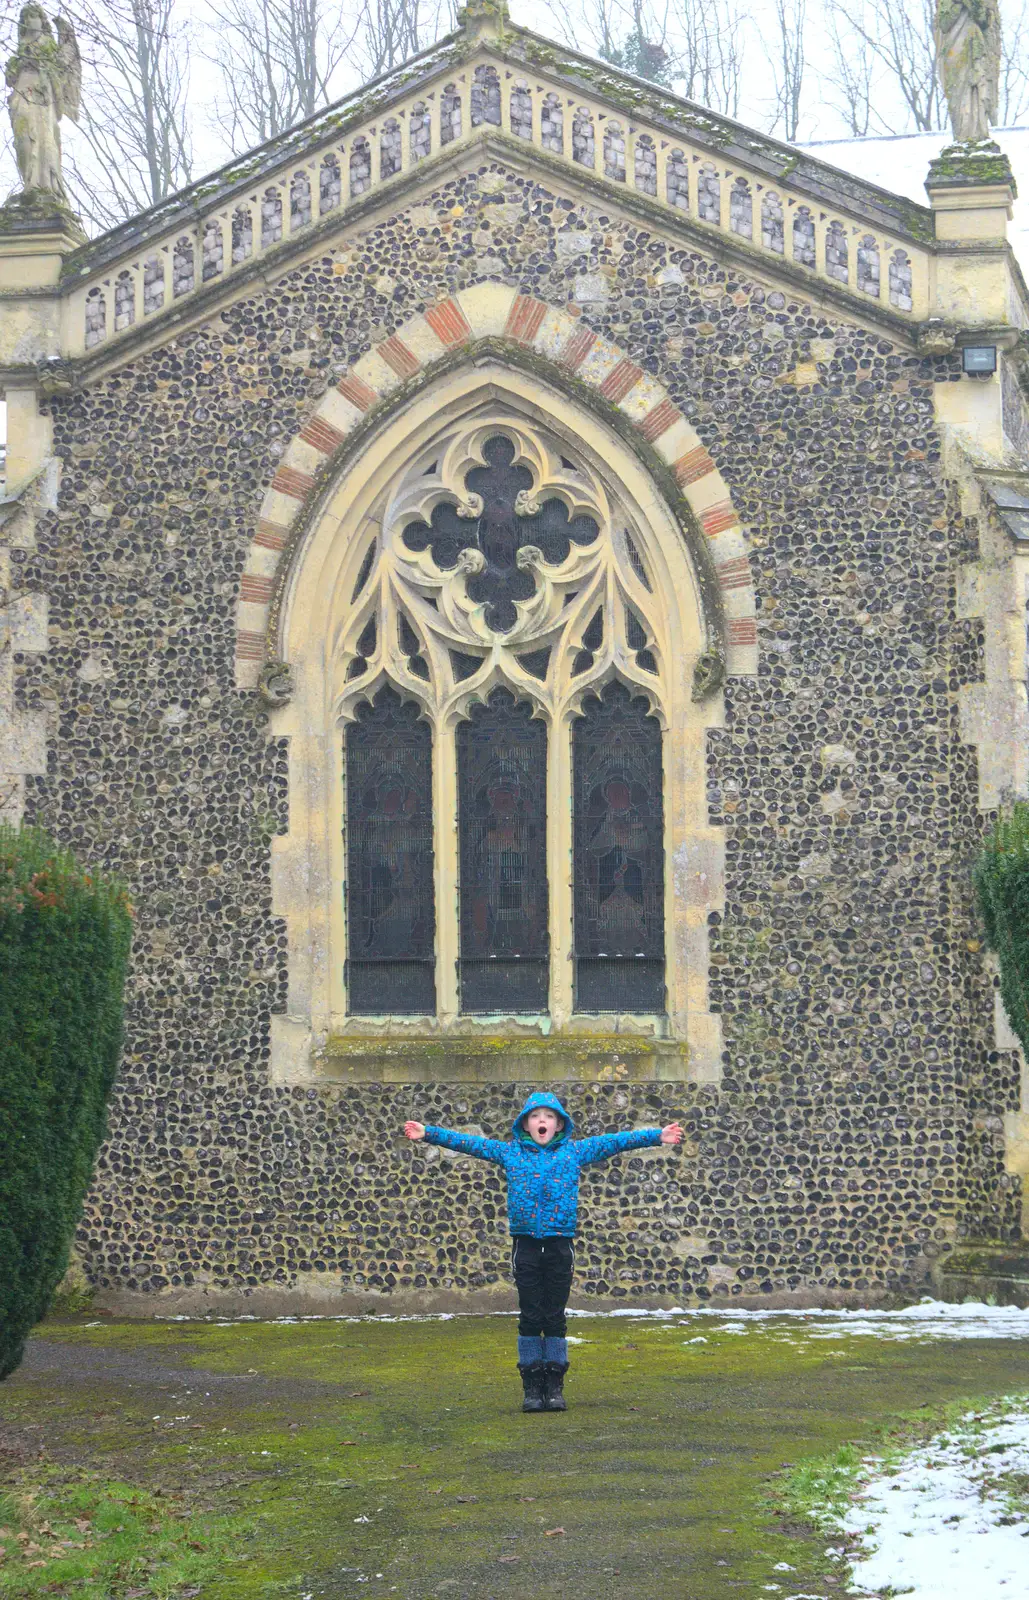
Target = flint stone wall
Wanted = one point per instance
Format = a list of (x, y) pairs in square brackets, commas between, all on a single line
[(857, 1127)]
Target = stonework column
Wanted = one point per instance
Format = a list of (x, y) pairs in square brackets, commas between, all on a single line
[(34, 238), (974, 293)]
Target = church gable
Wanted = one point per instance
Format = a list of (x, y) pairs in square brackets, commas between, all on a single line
[(258, 518), (623, 145)]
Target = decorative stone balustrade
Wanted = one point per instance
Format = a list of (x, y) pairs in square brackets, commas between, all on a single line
[(480, 97)]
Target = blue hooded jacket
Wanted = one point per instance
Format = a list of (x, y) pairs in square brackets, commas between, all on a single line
[(543, 1179)]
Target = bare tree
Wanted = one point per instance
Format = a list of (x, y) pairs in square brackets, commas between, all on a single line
[(134, 122), (389, 31), (278, 61), (595, 28), (850, 73), (282, 60), (902, 85), (633, 34), (710, 42), (1014, 63), (785, 50)]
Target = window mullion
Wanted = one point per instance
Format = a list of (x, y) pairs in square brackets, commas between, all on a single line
[(447, 870), (559, 867)]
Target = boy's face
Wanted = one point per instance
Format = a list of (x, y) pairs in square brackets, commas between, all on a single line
[(543, 1124)]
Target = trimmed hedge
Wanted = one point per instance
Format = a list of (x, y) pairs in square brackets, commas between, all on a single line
[(64, 945), (1001, 877)]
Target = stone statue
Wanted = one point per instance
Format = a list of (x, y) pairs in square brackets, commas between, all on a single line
[(968, 51), (44, 77)]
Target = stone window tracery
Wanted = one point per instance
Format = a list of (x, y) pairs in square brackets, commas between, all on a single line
[(360, 166), (390, 148), (868, 266), (709, 194), (678, 181), (153, 285), (212, 250), (646, 165), (449, 115), (804, 237), (486, 97), (299, 201), (183, 267), (583, 140), (837, 253), (900, 281), (271, 218), (96, 318), (330, 183), (520, 107), (552, 125), (772, 234), (420, 131), (124, 301), (507, 603), (741, 209), (242, 235), (614, 152)]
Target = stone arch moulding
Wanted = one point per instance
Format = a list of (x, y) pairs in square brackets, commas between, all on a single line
[(309, 562), (495, 311)]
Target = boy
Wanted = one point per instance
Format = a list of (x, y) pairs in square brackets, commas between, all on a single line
[(542, 1163)]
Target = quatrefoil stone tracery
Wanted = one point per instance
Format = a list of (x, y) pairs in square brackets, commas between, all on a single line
[(505, 562), (504, 528)]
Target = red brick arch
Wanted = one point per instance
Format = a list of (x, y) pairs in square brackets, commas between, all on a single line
[(492, 310)]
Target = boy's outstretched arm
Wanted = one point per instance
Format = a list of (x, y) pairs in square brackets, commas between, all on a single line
[(613, 1144), (468, 1144)]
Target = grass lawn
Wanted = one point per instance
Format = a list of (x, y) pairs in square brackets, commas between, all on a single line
[(347, 1458)]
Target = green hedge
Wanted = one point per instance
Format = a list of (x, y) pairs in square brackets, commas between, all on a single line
[(64, 945), (1001, 877)]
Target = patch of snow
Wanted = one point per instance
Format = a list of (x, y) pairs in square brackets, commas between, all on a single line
[(930, 1319), (940, 1526), (899, 163)]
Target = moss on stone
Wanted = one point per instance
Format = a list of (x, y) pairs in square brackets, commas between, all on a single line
[(347, 1449)]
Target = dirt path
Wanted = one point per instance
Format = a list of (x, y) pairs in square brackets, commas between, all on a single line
[(390, 1458)]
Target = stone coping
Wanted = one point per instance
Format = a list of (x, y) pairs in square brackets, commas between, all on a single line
[(491, 1058)]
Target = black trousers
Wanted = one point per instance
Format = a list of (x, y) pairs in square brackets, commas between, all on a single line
[(543, 1277)]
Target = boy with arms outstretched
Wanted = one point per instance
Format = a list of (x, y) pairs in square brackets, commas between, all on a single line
[(542, 1162)]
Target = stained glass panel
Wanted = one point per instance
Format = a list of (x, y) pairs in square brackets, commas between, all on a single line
[(618, 855), (502, 799), (391, 919)]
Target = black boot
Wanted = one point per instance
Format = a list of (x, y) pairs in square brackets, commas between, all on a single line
[(554, 1386), (534, 1385)]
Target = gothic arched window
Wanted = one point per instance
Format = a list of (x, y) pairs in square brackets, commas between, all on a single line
[(506, 653)]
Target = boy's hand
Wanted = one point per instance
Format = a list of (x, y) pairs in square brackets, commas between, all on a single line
[(670, 1135), (416, 1130)]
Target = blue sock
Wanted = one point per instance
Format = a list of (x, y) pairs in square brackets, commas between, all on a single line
[(529, 1350), (555, 1350)]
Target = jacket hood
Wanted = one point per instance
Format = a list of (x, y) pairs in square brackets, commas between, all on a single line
[(542, 1099)]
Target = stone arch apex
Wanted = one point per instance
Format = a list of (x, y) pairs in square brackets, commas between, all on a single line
[(494, 310)]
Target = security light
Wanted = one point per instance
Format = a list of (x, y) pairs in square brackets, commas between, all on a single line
[(979, 358)]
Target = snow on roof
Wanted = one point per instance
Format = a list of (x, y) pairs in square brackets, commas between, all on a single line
[(900, 163)]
